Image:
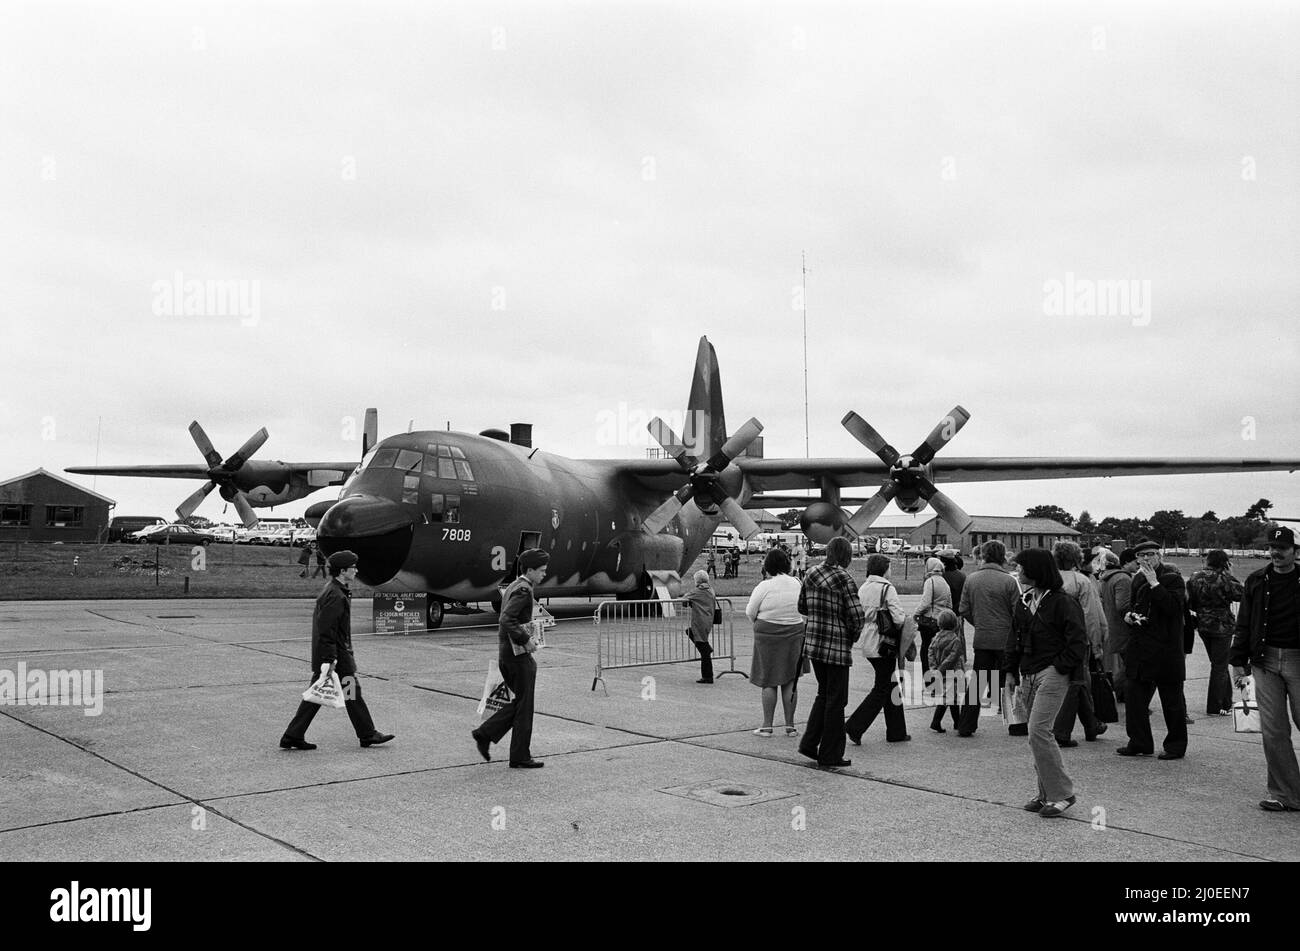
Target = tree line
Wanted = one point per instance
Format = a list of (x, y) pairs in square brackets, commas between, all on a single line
[(1170, 527)]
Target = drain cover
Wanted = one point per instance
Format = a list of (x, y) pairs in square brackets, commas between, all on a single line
[(726, 793)]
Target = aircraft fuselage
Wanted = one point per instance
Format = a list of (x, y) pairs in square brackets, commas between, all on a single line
[(447, 513)]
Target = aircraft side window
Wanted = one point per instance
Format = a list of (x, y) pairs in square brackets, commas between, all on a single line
[(435, 507), (411, 489), (463, 470), (452, 512), (446, 469), (408, 460), (384, 459), (444, 452), (456, 453)]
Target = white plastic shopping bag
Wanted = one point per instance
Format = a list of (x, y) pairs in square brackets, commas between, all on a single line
[(327, 691), (495, 692), (1245, 712), (1014, 710)]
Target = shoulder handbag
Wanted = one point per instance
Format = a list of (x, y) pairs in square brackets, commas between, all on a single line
[(886, 627)]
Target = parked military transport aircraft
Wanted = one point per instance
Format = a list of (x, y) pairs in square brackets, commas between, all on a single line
[(446, 513)]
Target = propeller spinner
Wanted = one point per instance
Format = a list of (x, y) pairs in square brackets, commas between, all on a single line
[(703, 478), (222, 474), (908, 480)]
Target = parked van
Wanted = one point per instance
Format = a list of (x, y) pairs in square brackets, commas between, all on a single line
[(123, 526)]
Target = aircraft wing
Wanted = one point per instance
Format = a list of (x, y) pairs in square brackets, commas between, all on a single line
[(768, 476), (201, 471), (146, 472)]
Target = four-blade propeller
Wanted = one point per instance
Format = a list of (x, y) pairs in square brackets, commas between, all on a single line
[(907, 474), (703, 478), (222, 474)]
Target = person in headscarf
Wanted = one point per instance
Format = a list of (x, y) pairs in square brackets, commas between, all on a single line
[(702, 601)]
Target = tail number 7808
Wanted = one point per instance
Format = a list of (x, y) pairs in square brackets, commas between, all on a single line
[(455, 534)]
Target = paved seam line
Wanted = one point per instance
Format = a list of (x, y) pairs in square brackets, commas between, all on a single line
[(951, 795), (163, 786)]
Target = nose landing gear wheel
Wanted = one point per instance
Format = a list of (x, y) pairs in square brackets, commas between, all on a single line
[(435, 613)]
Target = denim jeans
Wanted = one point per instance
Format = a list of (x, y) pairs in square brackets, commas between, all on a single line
[(1045, 694), (1277, 687)]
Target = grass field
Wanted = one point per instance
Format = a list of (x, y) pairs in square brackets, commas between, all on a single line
[(35, 571)]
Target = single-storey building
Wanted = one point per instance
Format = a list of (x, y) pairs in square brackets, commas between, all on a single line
[(1015, 533), (43, 507)]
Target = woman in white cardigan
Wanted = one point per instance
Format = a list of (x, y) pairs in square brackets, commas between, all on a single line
[(778, 640), (876, 593)]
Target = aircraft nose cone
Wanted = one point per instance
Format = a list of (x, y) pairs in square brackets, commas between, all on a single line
[(377, 530)]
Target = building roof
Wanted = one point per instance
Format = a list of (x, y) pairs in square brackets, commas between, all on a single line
[(59, 478), (995, 524)]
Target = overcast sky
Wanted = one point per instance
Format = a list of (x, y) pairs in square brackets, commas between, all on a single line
[(488, 213)]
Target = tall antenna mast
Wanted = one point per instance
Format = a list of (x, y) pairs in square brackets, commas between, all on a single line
[(803, 267), (99, 431)]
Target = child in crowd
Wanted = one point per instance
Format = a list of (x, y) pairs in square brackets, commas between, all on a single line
[(948, 668)]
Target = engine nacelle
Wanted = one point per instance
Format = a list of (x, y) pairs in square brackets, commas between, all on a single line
[(822, 521)]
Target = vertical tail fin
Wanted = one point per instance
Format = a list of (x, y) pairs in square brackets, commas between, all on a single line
[(370, 434), (705, 428)]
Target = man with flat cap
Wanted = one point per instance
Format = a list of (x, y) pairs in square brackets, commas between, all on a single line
[(519, 670), (331, 643), (1267, 643)]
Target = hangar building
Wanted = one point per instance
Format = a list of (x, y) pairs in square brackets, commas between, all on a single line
[(1016, 533), (43, 507)]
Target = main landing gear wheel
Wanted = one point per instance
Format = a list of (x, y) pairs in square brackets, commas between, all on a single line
[(436, 613)]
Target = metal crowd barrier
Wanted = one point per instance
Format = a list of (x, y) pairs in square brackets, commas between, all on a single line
[(651, 633)]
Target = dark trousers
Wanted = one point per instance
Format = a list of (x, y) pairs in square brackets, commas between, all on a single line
[(926, 637), (823, 737), (986, 671), (358, 712), (1219, 695), (520, 674), (706, 659), (948, 685), (1078, 703), (1137, 715), (881, 697)]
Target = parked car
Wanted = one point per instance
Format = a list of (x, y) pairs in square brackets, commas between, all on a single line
[(123, 526), (175, 534)]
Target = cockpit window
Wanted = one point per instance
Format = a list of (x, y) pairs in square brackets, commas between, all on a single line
[(447, 462), (383, 459), (408, 460)]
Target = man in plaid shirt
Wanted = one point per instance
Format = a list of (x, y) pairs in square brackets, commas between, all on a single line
[(829, 601)]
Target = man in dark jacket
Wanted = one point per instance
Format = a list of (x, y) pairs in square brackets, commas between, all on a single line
[(1267, 643), (987, 600), (1155, 660), (519, 670), (331, 643)]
